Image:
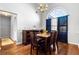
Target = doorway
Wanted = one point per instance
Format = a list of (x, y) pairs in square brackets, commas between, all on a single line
[(5, 26), (59, 22), (8, 25)]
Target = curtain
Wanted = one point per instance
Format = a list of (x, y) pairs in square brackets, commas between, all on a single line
[(63, 28), (48, 25)]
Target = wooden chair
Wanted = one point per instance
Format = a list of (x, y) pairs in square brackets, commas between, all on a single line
[(54, 40), (34, 42)]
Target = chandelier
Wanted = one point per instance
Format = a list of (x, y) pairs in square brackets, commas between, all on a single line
[(43, 7)]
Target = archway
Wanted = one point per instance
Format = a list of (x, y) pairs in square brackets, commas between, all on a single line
[(59, 22), (57, 12)]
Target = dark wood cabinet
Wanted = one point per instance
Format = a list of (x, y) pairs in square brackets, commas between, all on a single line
[(26, 36)]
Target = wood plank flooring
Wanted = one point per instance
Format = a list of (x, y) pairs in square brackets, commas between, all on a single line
[(64, 49)]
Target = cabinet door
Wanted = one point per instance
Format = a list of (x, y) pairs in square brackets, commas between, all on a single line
[(24, 36)]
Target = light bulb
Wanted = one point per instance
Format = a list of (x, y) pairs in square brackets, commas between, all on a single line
[(41, 5)]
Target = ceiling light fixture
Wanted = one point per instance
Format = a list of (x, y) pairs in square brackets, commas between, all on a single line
[(43, 7)]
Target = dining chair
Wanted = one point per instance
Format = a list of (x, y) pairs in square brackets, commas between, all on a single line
[(34, 42), (54, 40)]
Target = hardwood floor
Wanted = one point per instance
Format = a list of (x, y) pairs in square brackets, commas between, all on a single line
[(64, 49)]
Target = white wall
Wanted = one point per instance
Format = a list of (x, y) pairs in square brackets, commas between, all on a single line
[(14, 27), (73, 20), (27, 17), (0, 26)]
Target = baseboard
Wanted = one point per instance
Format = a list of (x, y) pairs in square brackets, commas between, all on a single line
[(18, 43), (73, 43)]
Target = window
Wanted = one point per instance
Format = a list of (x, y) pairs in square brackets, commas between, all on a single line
[(54, 14)]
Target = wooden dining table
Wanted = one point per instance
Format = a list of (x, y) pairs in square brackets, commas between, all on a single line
[(45, 36)]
